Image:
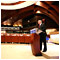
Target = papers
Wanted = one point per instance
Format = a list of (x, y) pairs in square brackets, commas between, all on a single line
[(38, 31)]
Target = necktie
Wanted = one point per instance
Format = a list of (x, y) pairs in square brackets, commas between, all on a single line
[(39, 26)]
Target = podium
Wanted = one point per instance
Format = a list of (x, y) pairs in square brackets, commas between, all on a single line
[(35, 44)]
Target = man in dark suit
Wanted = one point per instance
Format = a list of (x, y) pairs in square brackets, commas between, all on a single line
[(41, 26)]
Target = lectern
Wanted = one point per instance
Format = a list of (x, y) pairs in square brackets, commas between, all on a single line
[(35, 44)]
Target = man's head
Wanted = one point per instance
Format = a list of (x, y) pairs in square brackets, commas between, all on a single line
[(39, 21)]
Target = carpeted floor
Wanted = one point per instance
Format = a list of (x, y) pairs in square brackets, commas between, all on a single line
[(23, 51)]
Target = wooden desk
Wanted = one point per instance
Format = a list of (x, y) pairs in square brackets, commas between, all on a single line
[(2, 38), (34, 39)]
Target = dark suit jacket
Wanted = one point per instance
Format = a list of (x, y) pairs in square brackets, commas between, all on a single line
[(42, 27), (43, 34)]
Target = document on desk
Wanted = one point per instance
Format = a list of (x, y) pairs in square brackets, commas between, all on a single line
[(38, 31)]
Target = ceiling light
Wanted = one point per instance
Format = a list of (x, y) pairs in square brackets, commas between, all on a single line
[(28, 21), (19, 25), (9, 24), (38, 3), (14, 25), (38, 11)]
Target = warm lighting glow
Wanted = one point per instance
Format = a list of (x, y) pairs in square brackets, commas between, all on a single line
[(28, 21), (38, 3), (3, 31), (15, 25), (5, 24), (9, 24), (19, 25), (38, 12)]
